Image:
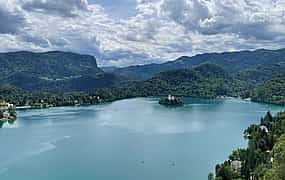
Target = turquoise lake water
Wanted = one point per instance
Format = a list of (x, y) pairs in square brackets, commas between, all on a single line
[(134, 139)]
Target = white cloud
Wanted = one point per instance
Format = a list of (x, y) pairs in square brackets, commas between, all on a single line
[(68, 8), (160, 30), (187, 13)]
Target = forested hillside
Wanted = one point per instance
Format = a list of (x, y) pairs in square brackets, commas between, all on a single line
[(53, 70), (270, 91), (231, 61), (265, 156), (248, 74), (207, 80)]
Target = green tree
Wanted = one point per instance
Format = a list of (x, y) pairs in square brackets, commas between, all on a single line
[(1, 114), (224, 171), (211, 176)]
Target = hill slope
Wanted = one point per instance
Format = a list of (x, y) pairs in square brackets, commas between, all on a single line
[(50, 64), (270, 91), (206, 80), (53, 70), (230, 61), (262, 73)]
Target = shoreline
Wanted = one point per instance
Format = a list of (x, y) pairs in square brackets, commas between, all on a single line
[(29, 107)]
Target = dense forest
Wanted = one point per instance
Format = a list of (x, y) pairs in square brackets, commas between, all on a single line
[(270, 91), (232, 62), (21, 97), (62, 78), (207, 80), (265, 156), (204, 81), (63, 71)]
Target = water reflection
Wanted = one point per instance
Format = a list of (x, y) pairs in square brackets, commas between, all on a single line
[(154, 118), (110, 141), (8, 124)]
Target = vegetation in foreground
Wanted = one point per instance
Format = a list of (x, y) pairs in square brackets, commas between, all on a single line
[(264, 159)]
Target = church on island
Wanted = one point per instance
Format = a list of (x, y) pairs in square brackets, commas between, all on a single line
[(171, 98)]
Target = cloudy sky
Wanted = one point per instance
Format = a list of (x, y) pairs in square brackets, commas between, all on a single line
[(128, 32)]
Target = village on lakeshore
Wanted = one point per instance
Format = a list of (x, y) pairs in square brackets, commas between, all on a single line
[(7, 113)]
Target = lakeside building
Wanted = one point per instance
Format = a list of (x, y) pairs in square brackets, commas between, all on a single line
[(264, 128), (236, 166), (5, 106)]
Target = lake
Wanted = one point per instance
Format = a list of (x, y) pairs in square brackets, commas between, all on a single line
[(133, 139)]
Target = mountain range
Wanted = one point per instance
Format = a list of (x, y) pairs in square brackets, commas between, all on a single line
[(232, 62), (257, 74)]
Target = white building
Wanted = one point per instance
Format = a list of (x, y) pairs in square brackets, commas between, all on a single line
[(236, 166), (171, 98), (264, 128), (6, 106)]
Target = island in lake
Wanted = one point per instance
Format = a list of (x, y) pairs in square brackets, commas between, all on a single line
[(170, 101)]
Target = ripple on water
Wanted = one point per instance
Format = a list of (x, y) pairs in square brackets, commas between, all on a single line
[(44, 147), (195, 137), (6, 125), (3, 170)]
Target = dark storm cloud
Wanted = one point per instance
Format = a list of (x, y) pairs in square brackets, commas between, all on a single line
[(10, 21), (67, 8), (244, 18)]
